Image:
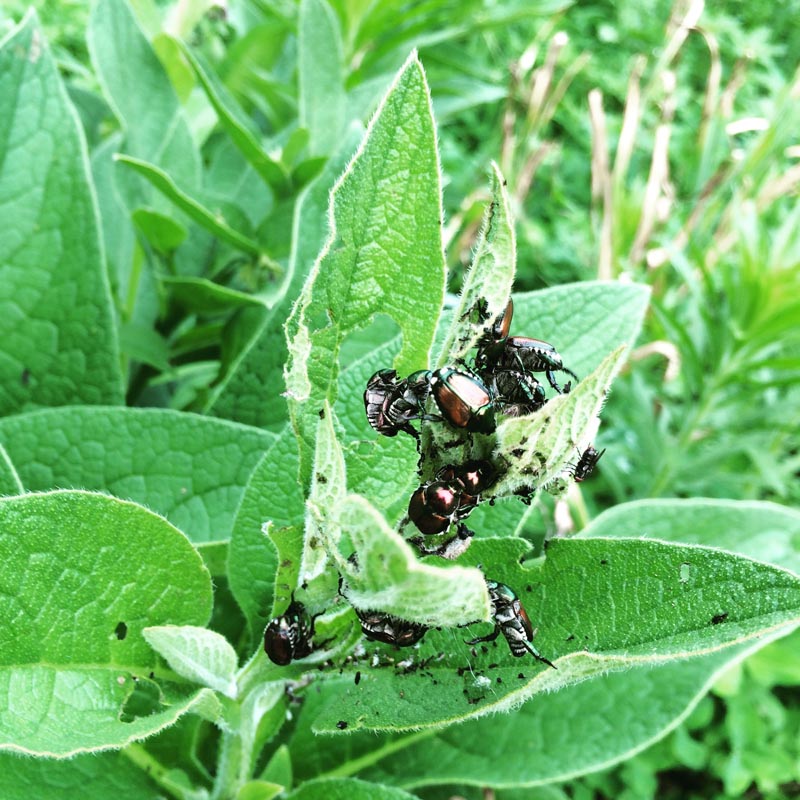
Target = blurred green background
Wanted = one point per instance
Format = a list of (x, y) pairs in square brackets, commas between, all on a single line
[(648, 141)]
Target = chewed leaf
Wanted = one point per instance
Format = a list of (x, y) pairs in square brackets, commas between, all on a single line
[(641, 602), (328, 488), (539, 446), (487, 286), (384, 254), (389, 578)]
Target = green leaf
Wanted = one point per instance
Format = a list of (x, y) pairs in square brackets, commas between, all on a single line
[(389, 578), (559, 736), (384, 254), (640, 602), (539, 446), (346, 789), (321, 76), (272, 495), (59, 343), (585, 321), (191, 469), (163, 233), (84, 575), (192, 208), (762, 531), (206, 297), (140, 93), (240, 395), (89, 777), (197, 654), (238, 127), (487, 285)]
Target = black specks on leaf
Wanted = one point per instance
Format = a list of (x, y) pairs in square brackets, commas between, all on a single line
[(322, 479), (321, 413), (719, 618), (571, 637), (358, 678), (521, 676), (603, 561), (121, 631), (341, 724), (25, 377)]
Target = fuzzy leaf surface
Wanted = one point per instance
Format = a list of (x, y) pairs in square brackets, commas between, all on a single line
[(600, 604), (189, 468), (538, 446), (762, 531), (272, 497), (384, 254), (487, 285), (58, 341), (85, 573), (241, 395), (197, 654)]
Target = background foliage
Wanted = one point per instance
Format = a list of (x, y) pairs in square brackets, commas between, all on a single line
[(643, 143)]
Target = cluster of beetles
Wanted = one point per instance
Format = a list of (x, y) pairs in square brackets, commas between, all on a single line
[(501, 380)]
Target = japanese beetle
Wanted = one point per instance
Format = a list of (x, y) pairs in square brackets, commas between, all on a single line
[(586, 463), (289, 636), (517, 393), (522, 354), (391, 404), (500, 327), (512, 621), (463, 399), (379, 626), (450, 498)]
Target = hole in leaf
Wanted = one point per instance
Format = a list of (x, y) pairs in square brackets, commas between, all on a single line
[(121, 631)]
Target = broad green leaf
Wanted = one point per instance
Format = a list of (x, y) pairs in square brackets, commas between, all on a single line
[(191, 207), (140, 93), (97, 776), (238, 127), (240, 395), (84, 574), (189, 468), (762, 531), (59, 343), (320, 76), (389, 577), (537, 447), (346, 789), (487, 285), (272, 496), (641, 602), (384, 254), (585, 321), (197, 654), (558, 735)]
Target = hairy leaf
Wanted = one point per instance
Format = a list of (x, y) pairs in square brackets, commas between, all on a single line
[(58, 342), (85, 573)]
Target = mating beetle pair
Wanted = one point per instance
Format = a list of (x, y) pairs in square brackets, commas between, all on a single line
[(518, 357), (289, 636), (461, 397), (449, 498)]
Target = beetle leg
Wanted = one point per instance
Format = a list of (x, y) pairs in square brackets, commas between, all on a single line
[(488, 638), (551, 379), (537, 655)]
